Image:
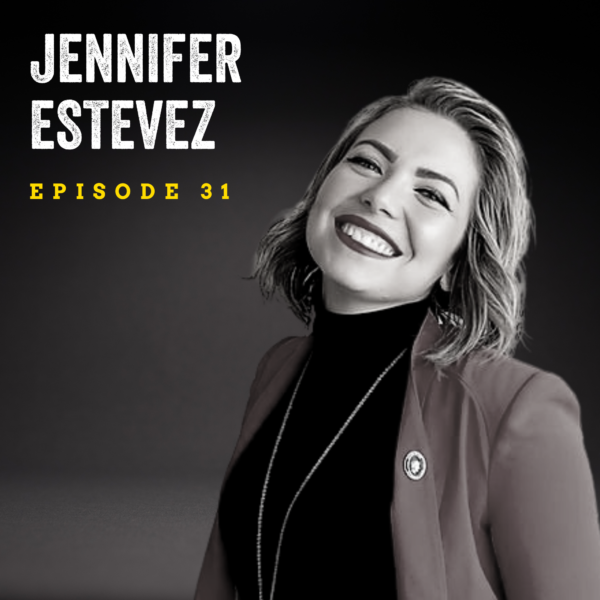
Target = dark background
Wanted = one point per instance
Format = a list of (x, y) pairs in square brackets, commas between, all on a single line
[(129, 334)]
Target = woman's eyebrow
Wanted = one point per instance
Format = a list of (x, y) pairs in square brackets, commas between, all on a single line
[(429, 174), (389, 154)]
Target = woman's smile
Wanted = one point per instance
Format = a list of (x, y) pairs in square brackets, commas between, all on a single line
[(391, 215), (365, 237)]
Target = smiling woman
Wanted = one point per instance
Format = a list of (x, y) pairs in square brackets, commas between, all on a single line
[(403, 194), (399, 451)]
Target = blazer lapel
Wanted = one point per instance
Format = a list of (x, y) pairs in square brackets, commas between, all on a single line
[(418, 550)]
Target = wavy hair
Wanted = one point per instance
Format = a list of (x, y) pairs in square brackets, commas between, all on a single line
[(483, 311)]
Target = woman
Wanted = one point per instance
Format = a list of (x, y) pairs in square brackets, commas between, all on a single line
[(398, 451)]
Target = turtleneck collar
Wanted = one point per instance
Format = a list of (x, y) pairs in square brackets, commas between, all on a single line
[(367, 338)]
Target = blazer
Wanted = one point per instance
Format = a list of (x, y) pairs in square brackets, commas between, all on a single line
[(493, 493)]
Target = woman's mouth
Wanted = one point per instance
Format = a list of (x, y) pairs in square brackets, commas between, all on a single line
[(364, 237)]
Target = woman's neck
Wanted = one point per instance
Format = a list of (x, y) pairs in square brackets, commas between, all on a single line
[(374, 336)]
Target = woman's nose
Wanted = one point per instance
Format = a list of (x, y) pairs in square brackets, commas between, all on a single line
[(374, 206), (384, 198)]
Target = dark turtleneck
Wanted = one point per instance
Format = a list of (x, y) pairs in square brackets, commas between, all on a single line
[(337, 541)]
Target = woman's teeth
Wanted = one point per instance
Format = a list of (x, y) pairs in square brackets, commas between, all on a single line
[(368, 239)]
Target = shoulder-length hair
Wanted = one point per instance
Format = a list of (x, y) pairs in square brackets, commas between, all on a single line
[(483, 310)]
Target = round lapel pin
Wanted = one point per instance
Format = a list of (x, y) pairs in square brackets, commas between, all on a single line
[(415, 465)]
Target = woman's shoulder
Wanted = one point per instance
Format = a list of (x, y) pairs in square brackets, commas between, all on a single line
[(507, 389), (286, 353), (284, 349), (504, 375)]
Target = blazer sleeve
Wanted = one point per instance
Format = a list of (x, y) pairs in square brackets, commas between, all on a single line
[(543, 512), (214, 582)]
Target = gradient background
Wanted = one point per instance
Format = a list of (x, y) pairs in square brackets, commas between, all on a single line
[(129, 335)]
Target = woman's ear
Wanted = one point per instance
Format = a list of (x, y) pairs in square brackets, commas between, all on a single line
[(446, 280)]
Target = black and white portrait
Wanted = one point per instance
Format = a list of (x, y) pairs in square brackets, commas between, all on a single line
[(306, 313)]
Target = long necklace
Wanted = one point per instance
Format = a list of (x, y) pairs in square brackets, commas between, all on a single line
[(306, 479)]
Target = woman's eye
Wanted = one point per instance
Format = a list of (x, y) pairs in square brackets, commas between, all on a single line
[(434, 196), (364, 162)]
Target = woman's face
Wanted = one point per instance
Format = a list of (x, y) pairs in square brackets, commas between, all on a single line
[(390, 216)]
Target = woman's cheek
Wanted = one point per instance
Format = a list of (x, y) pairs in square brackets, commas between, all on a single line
[(315, 234)]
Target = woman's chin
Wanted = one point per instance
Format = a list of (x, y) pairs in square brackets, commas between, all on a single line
[(361, 294)]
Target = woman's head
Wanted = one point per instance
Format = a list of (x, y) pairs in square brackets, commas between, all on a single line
[(390, 217), (422, 192)]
